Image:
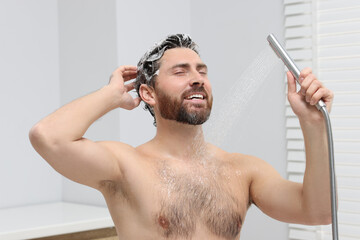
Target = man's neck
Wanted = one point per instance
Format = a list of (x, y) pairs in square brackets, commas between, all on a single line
[(180, 140)]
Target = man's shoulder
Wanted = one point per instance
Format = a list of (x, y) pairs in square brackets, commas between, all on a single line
[(244, 160)]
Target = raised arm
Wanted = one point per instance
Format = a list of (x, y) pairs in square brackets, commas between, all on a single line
[(309, 202), (58, 138)]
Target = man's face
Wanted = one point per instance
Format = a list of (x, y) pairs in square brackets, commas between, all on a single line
[(183, 91)]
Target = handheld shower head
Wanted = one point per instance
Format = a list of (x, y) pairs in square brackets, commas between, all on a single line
[(289, 63)]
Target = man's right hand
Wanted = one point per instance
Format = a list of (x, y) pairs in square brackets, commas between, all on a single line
[(117, 81)]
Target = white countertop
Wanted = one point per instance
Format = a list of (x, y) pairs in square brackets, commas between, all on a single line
[(51, 219)]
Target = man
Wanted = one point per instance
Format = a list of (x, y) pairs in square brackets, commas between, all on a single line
[(177, 186)]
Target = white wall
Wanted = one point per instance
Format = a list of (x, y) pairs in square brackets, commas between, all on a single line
[(88, 55), (29, 75)]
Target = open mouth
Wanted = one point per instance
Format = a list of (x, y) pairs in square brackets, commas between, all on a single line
[(196, 96)]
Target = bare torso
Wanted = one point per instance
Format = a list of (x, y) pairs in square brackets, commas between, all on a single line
[(159, 197)]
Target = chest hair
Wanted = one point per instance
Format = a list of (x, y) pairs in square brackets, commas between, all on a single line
[(196, 197)]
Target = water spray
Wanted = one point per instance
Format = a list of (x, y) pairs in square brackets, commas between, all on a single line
[(290, 64)]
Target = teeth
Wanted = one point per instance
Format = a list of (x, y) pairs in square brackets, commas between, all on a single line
[(196, 96)]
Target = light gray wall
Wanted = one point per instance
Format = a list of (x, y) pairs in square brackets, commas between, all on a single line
[(29, 76), (231, 34), (88, 55)]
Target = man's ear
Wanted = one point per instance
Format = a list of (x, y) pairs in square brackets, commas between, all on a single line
[(147, 94)]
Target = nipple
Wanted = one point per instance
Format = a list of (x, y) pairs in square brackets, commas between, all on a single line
[(239, 222), (164, 222)]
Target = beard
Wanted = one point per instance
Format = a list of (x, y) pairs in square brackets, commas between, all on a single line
[(175, 109)]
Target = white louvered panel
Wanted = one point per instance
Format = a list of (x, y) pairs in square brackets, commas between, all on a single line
[(303, 54), (300, 234), (344, 86), (349, 206), (295, 167), (298, 32), (348, 181), (334, 29), (335, 40), (292, 122), (348, 170), (331, 5), (295, 145), (295, 155), (350, 194), (346, 146), (304, 63), (296, 9), (346, 97), (339, 28), (349, 133), (298, 43), (348, 109), (294, 134), (343, 75), (343, 121), (347, 157), (340, 63), (296, 177), (291, 2), (339, 15), (292, 21), (339, 52), (299, 226), (346, 232), (289, 112)]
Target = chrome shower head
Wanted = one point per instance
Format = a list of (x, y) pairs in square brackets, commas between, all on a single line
[(284, 56), (289, 63)]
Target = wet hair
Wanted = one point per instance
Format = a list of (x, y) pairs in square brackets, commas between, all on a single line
[(149, 64)]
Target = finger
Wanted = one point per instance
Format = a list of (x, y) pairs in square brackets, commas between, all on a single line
[(130, 77), (291, 83), (134, 104), (130, 86), (127, 68), (123, 69), (304, 73), (319, 94), (305, 84), (130, 71), (313, 88), (137, 101)]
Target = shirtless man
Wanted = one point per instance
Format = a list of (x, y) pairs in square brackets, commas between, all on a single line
[(177, 186)]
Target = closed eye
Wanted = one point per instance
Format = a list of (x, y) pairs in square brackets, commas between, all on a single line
[(180, 72)]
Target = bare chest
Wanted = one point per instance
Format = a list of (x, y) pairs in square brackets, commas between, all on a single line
[(214, 198)]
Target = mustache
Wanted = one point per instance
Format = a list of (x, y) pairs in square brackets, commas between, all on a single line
[(195, 89)]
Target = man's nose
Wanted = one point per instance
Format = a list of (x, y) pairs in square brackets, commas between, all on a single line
[(196, 79)]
